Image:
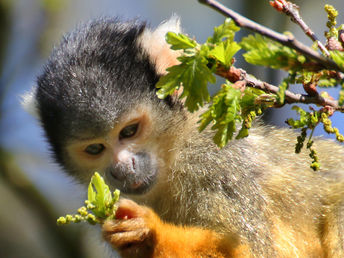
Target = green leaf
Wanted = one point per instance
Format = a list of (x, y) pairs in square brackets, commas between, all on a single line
[(248, 99), (224, 134), (301, 59), (306, 120), (224, 52), (242, 133), (179, 41), (341, 96), (225, 30), (115, 197), (265, 52), (206, 119), (281, 91), (100, 195), (194, 75), (230, 106), (338, 58), (306, 77), (91, 194), (232, 102), (327, 82), (223, 112)]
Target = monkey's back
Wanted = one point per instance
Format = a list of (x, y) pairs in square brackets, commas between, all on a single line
[(259, 189), (308, 205)]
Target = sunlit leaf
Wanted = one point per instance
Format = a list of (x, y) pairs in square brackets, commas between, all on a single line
[(179, 41), (194, 75), (338, 58), (265, 52), (225, 30), (224, 52)]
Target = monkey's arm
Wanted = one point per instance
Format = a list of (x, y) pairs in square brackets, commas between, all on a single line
[(139, 232)]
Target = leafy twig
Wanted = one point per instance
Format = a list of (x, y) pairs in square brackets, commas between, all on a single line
[(100, 205), (286, 40), (239, 76)]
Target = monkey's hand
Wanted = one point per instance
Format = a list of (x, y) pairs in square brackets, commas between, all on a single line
[(139, 232), (131, 234)]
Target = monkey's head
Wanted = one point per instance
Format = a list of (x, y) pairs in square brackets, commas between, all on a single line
[(96, 102)]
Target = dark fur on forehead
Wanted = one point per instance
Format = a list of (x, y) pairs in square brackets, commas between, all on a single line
[(96, 72)]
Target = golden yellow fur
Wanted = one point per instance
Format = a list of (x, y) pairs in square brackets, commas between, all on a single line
[(254, 198)]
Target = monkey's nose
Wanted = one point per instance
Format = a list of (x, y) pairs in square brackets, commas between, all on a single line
[(118, 172), (122, 156)]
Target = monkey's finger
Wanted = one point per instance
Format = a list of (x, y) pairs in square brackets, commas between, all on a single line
[(124, 239), (129, 209), (115, 226)]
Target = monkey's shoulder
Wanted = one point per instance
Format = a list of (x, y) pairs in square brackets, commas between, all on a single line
[(268, 148)]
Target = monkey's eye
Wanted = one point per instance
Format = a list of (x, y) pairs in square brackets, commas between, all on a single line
[(95, 149), (128, 131)]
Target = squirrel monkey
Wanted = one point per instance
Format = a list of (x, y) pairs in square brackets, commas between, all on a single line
[(96, 101)]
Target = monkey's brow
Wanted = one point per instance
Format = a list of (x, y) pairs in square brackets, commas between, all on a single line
[(86, 137)]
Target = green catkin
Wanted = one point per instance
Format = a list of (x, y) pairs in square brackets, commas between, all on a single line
[(100, 201)]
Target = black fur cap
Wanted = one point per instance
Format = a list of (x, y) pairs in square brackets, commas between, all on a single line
[(95, 71)]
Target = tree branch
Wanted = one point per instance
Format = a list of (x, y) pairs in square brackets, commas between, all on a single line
[(289, 41), (240, 77), (292, 10)]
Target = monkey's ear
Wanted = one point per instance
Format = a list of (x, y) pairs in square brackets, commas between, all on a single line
[(28, 102), (158, 50)]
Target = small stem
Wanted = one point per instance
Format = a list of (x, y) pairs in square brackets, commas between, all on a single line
[(292, 10), (311, 135)]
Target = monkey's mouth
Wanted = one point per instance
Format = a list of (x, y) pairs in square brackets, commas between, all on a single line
[(130, 184)]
